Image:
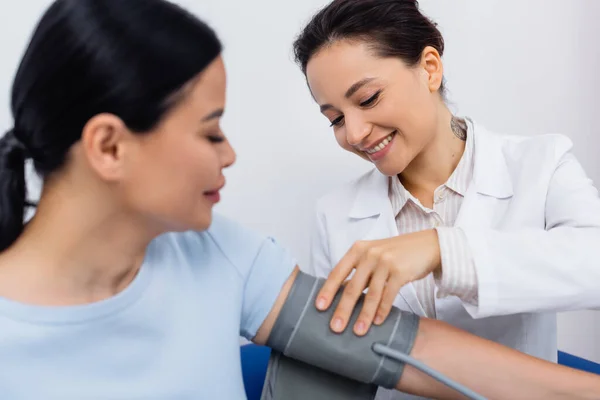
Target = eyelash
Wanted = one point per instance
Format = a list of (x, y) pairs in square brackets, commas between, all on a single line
[(216, 139), (336, 121), (369, 102)]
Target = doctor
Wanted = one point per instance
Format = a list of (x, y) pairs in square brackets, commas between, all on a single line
[(492, 233)]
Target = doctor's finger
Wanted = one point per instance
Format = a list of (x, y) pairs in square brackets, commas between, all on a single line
[(392, 288), (335, 280), (352, 291), (372, 300)]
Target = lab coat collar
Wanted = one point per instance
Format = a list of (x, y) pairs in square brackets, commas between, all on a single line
[(490, 174), (490, 177), (372, 195)]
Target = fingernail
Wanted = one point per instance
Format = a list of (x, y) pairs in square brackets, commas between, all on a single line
[(361, 328), (337, 324), (378, 320), (321, 302)]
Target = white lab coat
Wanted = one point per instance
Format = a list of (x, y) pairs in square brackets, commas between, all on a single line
[(531, 217)]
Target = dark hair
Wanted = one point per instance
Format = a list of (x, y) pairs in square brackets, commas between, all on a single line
[(86, 57), (393, 28)]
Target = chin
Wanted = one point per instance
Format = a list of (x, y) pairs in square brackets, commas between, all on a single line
[(202, 223), (390, 169)]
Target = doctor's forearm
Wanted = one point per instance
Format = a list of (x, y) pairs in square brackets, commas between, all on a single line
[(490, 369)]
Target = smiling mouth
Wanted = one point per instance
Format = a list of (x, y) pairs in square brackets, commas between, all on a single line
[(381, 145)]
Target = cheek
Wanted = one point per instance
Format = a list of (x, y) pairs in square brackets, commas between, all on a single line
[(170, 185), (415, 116), (189, 174)]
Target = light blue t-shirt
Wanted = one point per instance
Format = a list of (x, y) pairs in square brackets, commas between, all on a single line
[(172, 334)]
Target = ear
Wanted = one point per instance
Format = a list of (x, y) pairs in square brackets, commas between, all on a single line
[(431, 62), (103, 142)]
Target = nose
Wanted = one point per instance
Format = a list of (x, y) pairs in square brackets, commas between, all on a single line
[(356, 130), (228, 155)]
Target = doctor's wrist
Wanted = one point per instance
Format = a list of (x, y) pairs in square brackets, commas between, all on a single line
[(434, 251)]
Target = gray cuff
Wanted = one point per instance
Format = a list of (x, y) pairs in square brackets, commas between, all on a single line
[(302, 332)]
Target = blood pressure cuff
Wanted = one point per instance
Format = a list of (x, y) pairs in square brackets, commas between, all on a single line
[(290, 379), (310, 361)]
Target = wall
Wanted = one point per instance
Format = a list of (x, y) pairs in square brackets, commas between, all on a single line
[(516, 66)]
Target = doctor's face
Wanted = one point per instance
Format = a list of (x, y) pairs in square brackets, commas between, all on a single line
[(378, 108)]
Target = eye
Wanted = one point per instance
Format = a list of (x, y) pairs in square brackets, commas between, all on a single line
[(216, 139), (371, 100), (337, 121)]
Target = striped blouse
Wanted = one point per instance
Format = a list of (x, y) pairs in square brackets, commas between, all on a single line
[(458, 275)]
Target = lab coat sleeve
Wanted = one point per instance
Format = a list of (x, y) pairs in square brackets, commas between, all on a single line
[(320, 264), (536, 270)]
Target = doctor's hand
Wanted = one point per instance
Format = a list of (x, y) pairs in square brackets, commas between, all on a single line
[(382, 266)]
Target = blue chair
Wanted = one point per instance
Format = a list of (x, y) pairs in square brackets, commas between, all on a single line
[(255, 360), (572, 361)]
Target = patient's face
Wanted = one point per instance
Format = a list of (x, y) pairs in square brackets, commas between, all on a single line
[(379, 108), (177, 169)]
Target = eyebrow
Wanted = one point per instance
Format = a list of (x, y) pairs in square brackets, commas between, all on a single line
[(351, 90), (213, 115)]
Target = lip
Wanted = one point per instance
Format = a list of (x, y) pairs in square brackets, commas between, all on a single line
[(214, 195), (376, 142), (381, 153)]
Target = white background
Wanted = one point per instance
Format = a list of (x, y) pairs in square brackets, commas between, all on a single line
[(517, 66)]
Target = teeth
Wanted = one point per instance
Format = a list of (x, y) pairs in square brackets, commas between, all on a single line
[(381, 145)]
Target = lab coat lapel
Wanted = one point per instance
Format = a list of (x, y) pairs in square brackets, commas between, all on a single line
[(491, 186)]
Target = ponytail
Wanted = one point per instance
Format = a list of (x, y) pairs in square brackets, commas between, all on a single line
[(13, 189), (85, 58)]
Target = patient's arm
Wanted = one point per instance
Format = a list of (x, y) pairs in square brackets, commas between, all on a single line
[(488, 368), (265, 330)]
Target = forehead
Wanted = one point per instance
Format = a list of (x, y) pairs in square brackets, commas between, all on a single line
[(334, 68), (210, 87), (207, 90)]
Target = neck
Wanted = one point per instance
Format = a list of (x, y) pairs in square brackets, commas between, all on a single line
[(438, 160), (75, 250)]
